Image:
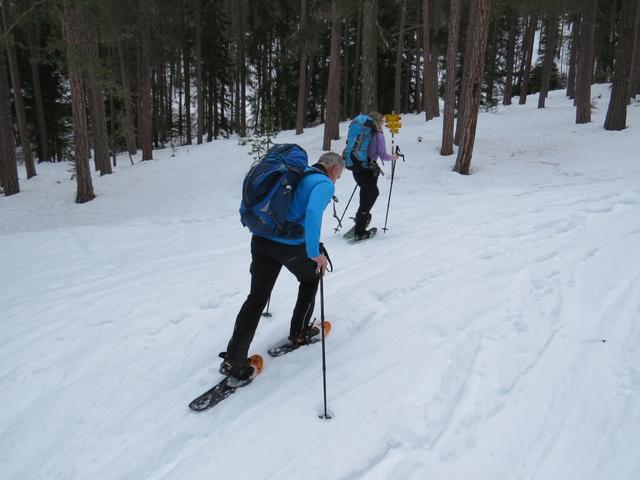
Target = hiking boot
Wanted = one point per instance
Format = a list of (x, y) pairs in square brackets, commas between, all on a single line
[(307, 336), (239, 372), (362, 222)]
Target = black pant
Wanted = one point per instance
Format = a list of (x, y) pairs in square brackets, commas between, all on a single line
[(267, 258), (367, 180)]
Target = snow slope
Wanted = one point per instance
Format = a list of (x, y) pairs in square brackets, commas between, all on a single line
[(491, 333)]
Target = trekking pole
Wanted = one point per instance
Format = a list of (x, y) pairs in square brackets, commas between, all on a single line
[(335, 230), (393, 170), (324, 416), (266, 312)]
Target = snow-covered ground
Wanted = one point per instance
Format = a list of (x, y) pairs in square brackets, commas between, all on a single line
[(492, 333)]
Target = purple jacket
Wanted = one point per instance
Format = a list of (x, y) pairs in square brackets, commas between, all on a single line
[(377, 148)]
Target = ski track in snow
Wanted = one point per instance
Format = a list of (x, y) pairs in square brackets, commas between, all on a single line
[(491, 333)]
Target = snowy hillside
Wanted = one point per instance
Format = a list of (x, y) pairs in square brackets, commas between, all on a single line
[(492, 333)]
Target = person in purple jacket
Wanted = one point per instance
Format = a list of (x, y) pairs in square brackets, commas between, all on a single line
[(367, 177)]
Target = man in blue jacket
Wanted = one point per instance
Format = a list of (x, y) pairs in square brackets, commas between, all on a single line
[(301, 257)]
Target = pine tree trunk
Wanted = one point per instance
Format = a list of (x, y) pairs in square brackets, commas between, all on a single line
[(369, 100), (186, 59), (243, 68), (450, 83), (18, 102), (34, 60), (551, 33), (426, 51), (511, 50), (301, 106), (72, 27), (433, 103), (8, 165), (144, 78), (356, 74), (480, 32), (465, 83), (95, 96), (573, 57), (331, 125), (417, 103), (585, 63), (399, 53), (617, 112), (129, 130), (634, 84), (199, 86), (529, 41)]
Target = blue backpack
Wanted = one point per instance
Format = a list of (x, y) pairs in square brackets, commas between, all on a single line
[(268, 189), (361, 130)]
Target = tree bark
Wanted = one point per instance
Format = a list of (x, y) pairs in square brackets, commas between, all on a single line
[(34, 60), (426, 51), (634, 84), (450, 83), (144, 78), (243, 68), (369, 99), (397, 88), (18, 102), (72, 27), (199, 86), (301, 106), (465, 83), (186, 59), (585, 63), (511, 50), (573, 57), (129, 130), (529, 40), (551, 33), (331, 125), (463, 162), (617, 112), (356, 73), (95, 95), (433, 103), (8, 165)]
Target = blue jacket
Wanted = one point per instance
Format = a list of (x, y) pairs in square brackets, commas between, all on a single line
[(311, 197)]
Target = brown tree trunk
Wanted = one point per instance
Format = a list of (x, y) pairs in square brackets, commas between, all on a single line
[(301, 106), (585, 63), (426, 51), (634, 84), (573, 57), (95, 95), (417, 104), (450, 84), (199, 86), (243, 68), (433, 103), (8, 165), (399, 53), (186, 59), (129, 130), (34, 60), (617, 112), (551, 33), (511, 50), (463, 162), (369, 99), (356, 73), (144, 78), (18, 102), (465, 83), (331, 125), (529, 40), (72, 27)]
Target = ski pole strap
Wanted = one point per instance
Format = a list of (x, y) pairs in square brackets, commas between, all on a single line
[(324, 252), (335, 213), (398, 152)]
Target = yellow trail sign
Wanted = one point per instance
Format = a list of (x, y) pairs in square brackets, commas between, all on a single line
[(391, 117)]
